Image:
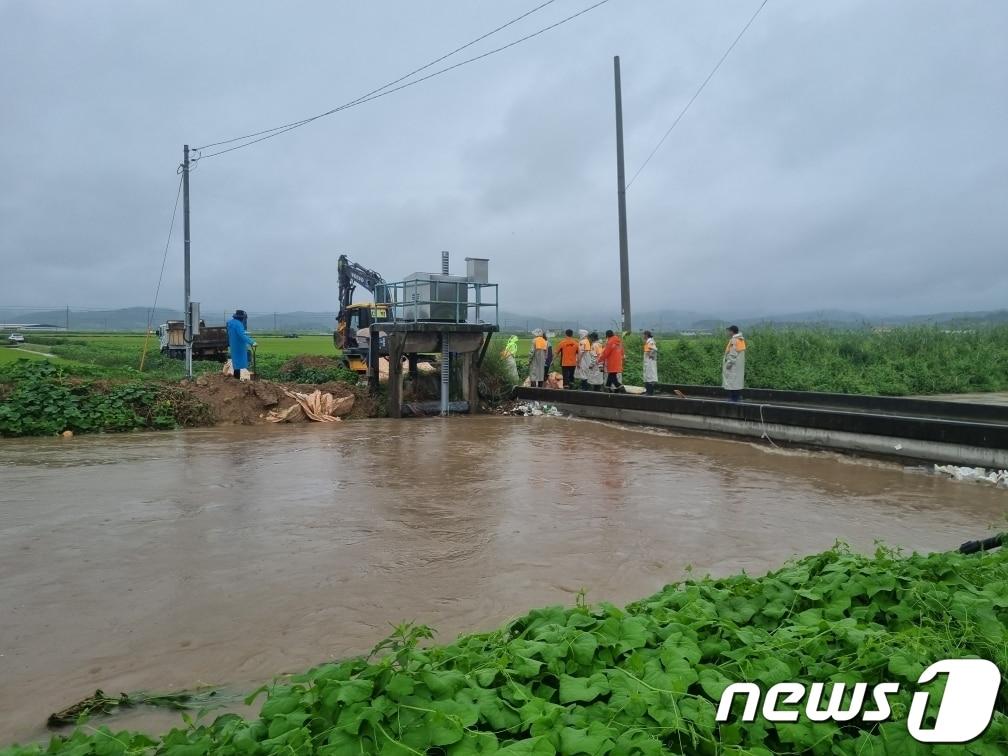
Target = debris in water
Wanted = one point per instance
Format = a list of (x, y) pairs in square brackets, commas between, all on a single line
[(535, 409), (998, 477), (102, 704)]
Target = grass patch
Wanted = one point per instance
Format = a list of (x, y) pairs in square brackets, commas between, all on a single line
[(10, 355)]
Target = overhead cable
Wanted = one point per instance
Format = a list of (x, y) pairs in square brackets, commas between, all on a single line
[(390, 88), (696, 94)]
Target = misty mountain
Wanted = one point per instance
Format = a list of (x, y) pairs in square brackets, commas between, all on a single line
[(660, 321)]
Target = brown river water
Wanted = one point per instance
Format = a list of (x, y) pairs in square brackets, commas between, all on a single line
[(162, 561)]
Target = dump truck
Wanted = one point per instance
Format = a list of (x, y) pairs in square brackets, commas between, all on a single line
[(211, 343)]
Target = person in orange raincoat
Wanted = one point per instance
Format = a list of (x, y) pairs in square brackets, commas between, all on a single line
[(612, 357)]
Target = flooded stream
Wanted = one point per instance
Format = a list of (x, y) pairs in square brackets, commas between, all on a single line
[(162, 561)]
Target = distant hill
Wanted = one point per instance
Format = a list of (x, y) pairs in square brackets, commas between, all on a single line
[(135, 319), (664, 321), (124, 319)]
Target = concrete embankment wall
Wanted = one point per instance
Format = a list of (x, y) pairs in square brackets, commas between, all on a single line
[(929, 439)]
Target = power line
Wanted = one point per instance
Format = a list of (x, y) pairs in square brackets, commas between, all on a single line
[(424, 67), (696, 94), (164, 259), (383, 91)]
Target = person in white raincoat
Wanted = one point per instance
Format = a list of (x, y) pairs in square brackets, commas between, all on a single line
[(733, 365), (650, 363), (596, 374), (585, 359), (537, 358), (509, 353)]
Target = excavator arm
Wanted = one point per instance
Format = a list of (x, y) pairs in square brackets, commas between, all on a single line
[(351, 275)]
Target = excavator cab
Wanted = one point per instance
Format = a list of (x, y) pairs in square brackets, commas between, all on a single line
[(351, 341)]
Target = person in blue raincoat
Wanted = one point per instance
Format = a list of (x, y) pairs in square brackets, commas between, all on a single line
[(239, 342)]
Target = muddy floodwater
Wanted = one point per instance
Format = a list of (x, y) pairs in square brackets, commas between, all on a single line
[(162, 561)]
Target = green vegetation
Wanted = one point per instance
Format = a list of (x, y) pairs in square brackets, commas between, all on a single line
[(118, 355), (646, 679), (94, 382), (37, 398), (13, 354), (905, 361), (900, 362)]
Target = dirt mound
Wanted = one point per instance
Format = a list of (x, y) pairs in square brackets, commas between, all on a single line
[(234, 402)]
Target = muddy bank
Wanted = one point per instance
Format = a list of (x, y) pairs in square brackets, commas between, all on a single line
[(227, 556), (234, 402)]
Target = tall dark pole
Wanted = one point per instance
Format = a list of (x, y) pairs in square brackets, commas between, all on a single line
[(624, 253), (185, 226)]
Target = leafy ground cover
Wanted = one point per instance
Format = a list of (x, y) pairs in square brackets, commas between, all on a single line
[(904, 361), (645, 679), (38, 398)]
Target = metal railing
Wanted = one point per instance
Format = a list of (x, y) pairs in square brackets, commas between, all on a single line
[(441, 301)]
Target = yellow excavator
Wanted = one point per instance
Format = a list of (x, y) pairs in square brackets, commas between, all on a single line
[(355, 317)]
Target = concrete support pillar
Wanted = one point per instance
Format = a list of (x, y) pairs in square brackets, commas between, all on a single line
[(470, 381), (396, 343)]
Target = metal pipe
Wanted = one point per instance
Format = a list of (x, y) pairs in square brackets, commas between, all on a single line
[(445, 373), (445, 347)]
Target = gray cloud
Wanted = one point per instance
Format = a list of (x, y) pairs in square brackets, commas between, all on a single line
[(847, 155)]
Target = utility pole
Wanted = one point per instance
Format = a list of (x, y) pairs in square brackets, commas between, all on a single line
[(68, 318), (274, 323), (185, 224), (624, 254)]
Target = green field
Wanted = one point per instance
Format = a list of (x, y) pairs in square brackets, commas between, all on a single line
[(907, 361), (13, 354), (119, 354)]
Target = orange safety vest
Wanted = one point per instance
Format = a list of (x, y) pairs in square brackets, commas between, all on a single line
[(540, 343), (568, 349), (585, 345), (739, 343)]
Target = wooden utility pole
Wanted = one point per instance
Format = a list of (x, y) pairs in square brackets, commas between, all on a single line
[(621, 186), (185, 223)]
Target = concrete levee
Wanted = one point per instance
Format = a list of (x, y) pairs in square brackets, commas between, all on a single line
[(890, 446)]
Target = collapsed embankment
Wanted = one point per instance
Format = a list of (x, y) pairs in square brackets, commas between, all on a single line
[(233, 402)]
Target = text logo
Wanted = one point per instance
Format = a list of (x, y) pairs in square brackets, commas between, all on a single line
[(965, 710)]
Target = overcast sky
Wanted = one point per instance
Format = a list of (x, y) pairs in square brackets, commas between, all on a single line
[(847, 155)]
